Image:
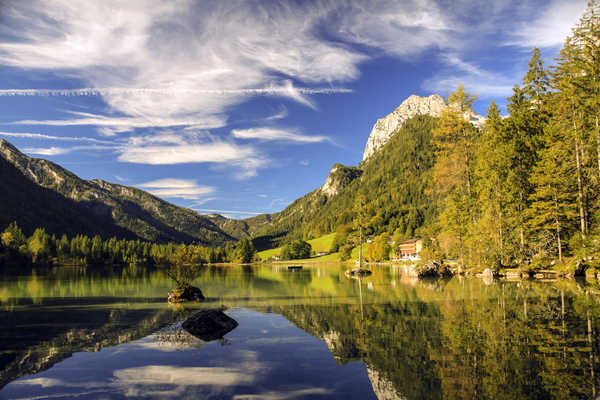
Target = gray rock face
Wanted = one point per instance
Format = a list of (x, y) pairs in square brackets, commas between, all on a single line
[(209, 324), (383, 388), (411, 107), (329, 188), (339, 177)]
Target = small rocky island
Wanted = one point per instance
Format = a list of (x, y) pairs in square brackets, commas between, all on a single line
[(185, 292)]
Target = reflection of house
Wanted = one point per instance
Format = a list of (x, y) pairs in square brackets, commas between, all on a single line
[(410, 249), (276, 257), (322, 253)]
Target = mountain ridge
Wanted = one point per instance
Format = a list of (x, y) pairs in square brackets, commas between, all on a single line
[(151, 218), (146, 216)]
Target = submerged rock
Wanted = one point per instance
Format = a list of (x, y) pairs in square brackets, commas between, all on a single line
[(185, 293), (209, 324), (358, 272)]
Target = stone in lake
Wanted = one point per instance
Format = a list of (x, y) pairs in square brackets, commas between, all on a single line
[(358, 272), (431, 269), (185, 293), (209, 324)]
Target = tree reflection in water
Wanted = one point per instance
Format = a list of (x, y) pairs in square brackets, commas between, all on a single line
[(457, 338)]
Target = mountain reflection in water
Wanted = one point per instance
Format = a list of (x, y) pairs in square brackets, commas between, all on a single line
[(97, 333)]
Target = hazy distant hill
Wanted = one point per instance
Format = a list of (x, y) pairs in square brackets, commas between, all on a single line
[(37, 192)]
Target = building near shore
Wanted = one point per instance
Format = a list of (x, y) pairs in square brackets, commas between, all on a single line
[(409, 250)]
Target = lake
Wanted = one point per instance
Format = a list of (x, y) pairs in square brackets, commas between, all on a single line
[(98, 333)]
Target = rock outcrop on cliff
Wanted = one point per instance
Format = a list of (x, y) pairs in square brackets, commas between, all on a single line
[(339, 177)]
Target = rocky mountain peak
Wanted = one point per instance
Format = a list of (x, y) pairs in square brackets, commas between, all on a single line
[(10, 152), (411, 107), (414, 105)]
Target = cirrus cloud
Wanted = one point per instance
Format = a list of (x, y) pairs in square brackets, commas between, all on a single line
[(266, 133), (186, 189)]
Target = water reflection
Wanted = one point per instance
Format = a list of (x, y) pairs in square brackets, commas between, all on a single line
[(398, 337)]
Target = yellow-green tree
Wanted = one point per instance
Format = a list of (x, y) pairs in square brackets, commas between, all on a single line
[(455, 138)]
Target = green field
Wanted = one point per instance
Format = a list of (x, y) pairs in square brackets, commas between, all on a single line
[(319, 244), (322, 243)]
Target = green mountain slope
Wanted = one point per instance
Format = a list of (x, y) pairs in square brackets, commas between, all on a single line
[(395, 182), (122, 209), (32, 206)]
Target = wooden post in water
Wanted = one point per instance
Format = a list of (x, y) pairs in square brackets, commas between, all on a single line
[(591, 344), (564, 328), (362, 317), (360, 251)]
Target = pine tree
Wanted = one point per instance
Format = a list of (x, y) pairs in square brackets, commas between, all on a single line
[(536, 81), (586, 62), (569, 113), (496, 223), (245, 251), (525, 139), (553, 207)]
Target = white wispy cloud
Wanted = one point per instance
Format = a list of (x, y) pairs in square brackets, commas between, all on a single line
[(124, 124), (280, 115), (476, 79), (551, 26), (266, 133), (178, 64), (177, 188), (42, 136), (209, 210), (163, 147), (245, 158), (56, 151), (401, 28), (47, 151)]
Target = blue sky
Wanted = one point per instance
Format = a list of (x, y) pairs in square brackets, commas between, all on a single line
[(240, 107)]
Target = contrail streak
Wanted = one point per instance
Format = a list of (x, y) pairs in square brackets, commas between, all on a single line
[(276, 90)]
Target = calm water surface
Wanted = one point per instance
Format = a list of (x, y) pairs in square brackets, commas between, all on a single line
[(101, 333)]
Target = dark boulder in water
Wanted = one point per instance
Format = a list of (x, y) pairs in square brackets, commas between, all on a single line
[(185, 293), (209, 324), (432, 269)]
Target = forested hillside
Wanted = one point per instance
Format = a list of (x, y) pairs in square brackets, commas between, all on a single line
[(32, 206), (394, 182), (522, 189)]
